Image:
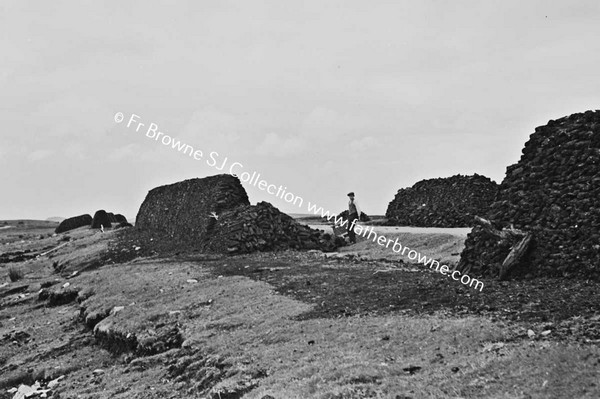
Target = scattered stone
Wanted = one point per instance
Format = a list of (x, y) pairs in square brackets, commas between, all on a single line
[(494, 347), (411, 369), (117, 309), (55, 382)]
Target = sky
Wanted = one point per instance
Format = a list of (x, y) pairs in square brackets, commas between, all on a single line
[(321, 97)]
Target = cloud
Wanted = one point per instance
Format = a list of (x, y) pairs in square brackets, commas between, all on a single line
[(320, 129), (212, 129), (278, 146), (125, 152), (325, 124), (72, 115), (39, 155), (364, 144), (75, 151)]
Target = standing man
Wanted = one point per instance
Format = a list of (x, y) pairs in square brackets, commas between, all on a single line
[(353, 217)]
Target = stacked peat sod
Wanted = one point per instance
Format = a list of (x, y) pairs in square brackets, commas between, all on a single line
[(214, 214), (183, 210), (553, 192), (262, 228), (73, 223), (442, 202), (101, 219), (120, 219)]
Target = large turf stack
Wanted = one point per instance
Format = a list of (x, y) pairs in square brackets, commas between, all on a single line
[(442, 202), (184, 209), (263, 227), (554, 193), (214, 214), (73, 223)]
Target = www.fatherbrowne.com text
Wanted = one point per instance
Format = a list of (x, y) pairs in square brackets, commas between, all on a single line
[(216, 161)]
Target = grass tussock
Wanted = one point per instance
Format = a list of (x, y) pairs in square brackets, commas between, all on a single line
[(15, 274)]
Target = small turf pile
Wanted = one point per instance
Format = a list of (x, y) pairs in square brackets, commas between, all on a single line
[(442, 202)]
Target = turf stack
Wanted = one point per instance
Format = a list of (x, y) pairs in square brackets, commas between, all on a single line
[(554, 193), (101, 218), (214, 214), (120, 218), (261, 228), (73, 223), (442, 202), (184, 209)]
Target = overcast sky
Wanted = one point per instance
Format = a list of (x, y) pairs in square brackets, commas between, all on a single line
[(322, 97)]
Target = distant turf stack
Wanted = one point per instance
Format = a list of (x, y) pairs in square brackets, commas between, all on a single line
[(101, 219), (214, 214), (554, 193), (344, 215), (73, 223), (442, 202), (120, 218)]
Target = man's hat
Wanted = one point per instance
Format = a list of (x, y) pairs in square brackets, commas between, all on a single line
[(351, 194)]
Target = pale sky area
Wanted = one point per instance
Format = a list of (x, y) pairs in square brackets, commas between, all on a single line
[(323, 97)]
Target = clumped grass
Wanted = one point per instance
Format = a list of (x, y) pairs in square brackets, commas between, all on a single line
[(15, 274), (57, 266)]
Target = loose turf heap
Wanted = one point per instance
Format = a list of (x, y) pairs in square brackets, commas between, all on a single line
[(442, 202), (214, 214), (554, 193), (73, 223), (264, 227)]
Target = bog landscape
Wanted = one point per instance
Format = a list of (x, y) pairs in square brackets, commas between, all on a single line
[(208, 294)]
